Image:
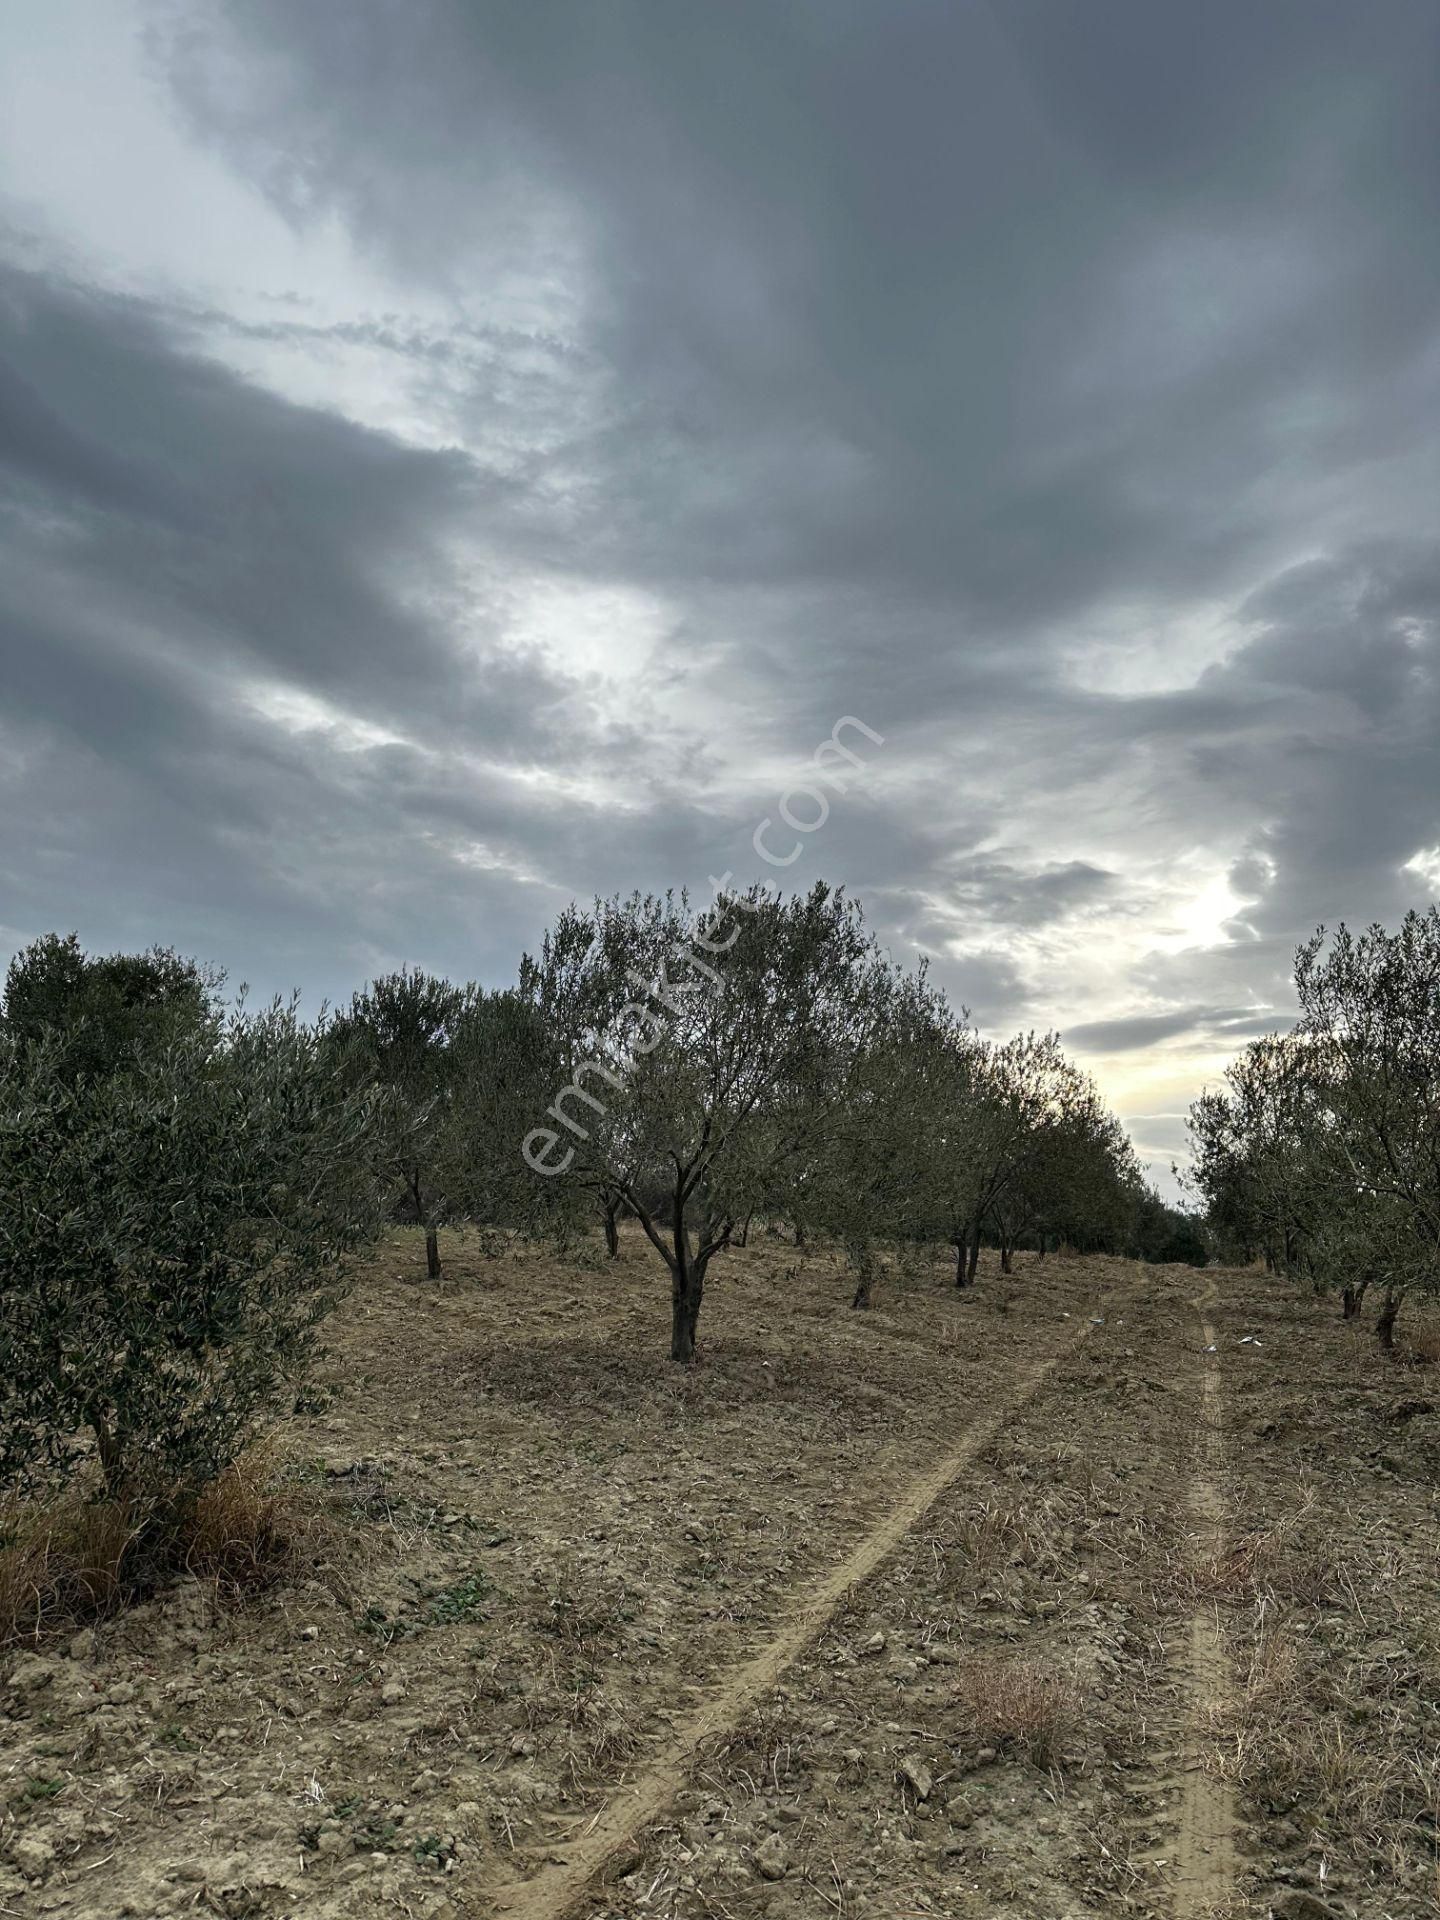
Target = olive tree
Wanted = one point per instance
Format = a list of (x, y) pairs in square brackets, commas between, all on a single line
[(706, 1057), (1254, 1140), (171, 1233), (97, 1009), (1081, 1180), (950, 1174), (1163, 1235), (1370, 1022), (1009, 1099), (866, 1180), (503, 1065), (1323, 1147), (399, 1035)]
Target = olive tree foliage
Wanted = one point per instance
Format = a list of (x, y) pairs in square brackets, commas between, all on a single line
[(951, 1175), (459, 1071), (399, 1034), (503, 1067), (1164, 1235), (171, 1234), (1267, 1160), (1254, 1143), (97, 1009), (1219, 1175), (707, 1056), (1019, 1097), (1081, 1183), (1370, 1022), (865, 1181), (1323, 1147)]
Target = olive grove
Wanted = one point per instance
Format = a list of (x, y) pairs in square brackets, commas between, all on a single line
[(184, 1182)]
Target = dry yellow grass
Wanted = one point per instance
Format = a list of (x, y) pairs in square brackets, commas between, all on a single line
[(60, 1562), (1423, 1345), (237, 1532), (1020, 1706), (1288, 1560), (78, 1555)]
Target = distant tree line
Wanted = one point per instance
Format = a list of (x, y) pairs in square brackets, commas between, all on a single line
[(1320, 1154), (184, 1181)]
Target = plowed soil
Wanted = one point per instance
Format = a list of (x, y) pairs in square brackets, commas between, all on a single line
[(1015, 1601)]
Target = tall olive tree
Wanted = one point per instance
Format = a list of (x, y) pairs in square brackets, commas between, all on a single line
[(707, 1056)]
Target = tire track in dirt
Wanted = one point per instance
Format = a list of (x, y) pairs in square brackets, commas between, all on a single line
[(1206, 1860), (614, 1831)]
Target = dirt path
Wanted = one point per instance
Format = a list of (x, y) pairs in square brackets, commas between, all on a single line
[(1206, 1862), (609, 1838)]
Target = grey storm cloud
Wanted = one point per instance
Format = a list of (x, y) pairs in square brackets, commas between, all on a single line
[(1230, 1025), (1053, 388)]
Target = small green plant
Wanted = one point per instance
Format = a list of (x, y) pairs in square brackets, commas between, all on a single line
[(459, 1603), (38, 1788), (375, 1620)]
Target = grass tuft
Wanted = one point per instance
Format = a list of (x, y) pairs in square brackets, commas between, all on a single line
[(62, 1562), (72, 1559), (1022, 1707)]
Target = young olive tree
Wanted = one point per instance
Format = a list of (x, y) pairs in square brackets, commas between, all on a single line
[(867, 1181), (399, 1035), (1014, 1097), (1269, 1115), (171, 1233), (503, 1067), (708, 1056)]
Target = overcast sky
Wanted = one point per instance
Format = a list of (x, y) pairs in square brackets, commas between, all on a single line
[(464, 454)]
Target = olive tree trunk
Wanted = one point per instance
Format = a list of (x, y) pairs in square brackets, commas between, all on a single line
[(687, 1291), (1351, 1300), (864, 1280), (1385, 1324)]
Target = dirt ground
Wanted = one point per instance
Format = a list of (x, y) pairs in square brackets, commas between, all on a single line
[(1015, 1602)]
